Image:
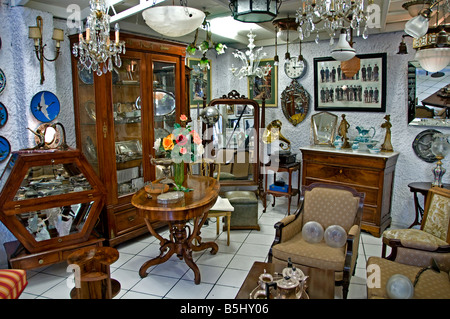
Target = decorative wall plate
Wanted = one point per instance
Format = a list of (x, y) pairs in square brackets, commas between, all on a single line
[(3, 115), (2, 81), (5, 148), (422, 145), (45, 106), (86, 77)]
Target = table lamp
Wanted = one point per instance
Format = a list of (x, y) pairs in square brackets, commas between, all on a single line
[(440, 148)]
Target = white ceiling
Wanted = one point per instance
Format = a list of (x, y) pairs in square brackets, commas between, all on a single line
[(393, 18)]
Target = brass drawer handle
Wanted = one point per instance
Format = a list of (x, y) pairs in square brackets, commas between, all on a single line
[(131, 218), (340, 171)]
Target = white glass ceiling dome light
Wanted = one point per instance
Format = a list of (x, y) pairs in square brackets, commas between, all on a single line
[(343, 51), (433, 59), (173, 21)]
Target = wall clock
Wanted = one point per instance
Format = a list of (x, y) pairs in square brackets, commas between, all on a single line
[(2, 81), (5, 148), (3, 115), (294, 68), (45, 106)]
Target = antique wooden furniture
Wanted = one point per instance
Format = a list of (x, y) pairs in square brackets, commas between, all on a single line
[(194, 205), (51, 201), (119, 115), (432, 241), (235, 143), (291, 192), (431, 284), (372, 174), (92, 273), (422, 188), (344, 208), (12, 283)]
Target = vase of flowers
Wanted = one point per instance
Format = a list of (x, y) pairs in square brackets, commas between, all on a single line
[(183, 145)]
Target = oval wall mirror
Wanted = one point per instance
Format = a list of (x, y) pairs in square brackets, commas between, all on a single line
[(295, 102)]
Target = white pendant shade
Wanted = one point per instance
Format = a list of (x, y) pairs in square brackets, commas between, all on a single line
[(417, 27), (173, 21), (343, 51), (283, 35), (433, 60)]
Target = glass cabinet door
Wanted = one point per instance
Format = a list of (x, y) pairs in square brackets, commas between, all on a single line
[(88, 116), (127, 126)]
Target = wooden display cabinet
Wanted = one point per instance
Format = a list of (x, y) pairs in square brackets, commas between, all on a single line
[(119, 115), (51, 201), (372, 174)]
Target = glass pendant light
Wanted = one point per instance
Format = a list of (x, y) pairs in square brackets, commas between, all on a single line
[(343, 51), (418, 26)]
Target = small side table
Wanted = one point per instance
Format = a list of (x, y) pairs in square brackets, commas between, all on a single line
[(422, 188), (289, 168), (95, 275)]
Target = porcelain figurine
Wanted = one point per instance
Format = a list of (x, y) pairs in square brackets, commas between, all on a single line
[(387, 146)]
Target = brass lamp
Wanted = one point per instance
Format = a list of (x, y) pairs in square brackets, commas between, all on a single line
[(35, 33)]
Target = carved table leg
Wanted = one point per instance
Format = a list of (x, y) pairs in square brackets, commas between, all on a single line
[(196, 234)]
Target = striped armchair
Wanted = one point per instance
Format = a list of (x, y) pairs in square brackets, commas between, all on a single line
[(328, 205), (12, 283)]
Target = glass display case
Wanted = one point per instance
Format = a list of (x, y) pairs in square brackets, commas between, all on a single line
[(119, 115), (50, 198)]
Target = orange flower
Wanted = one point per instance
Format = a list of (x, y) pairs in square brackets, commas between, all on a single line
[(168, 142)]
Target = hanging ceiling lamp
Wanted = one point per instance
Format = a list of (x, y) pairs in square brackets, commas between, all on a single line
[(332, 15), (255, 11), (432, 44), (287, 28), (343, 50), (96, 51), (173, 21), (414, 7)]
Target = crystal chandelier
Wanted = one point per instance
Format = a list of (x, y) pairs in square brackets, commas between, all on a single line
[(96, 51), (251, 60), (330, 16)]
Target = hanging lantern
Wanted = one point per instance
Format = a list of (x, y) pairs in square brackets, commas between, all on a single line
[(254, 10)]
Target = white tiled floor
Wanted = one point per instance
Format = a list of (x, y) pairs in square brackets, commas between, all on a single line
[(221, 274)]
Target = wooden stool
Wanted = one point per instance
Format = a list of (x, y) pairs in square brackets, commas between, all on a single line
[(94, 275)]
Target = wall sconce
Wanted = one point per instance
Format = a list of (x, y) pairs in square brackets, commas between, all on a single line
[(35, 33)]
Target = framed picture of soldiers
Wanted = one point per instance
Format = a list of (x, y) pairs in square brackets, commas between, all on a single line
[(358, 84)]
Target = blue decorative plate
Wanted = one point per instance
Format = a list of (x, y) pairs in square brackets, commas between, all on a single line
[(3, 115), (2, 81), (86, 76), (45, 106), (5, 148)]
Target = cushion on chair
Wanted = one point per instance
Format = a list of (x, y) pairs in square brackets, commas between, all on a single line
[(222, 204), (330, 207), (12, 283), (318, 255), (414, 235), (431, 285), (438, 217)]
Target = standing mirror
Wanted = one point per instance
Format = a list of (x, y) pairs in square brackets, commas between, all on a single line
[(428, 96), (233, 140), (324, 128)]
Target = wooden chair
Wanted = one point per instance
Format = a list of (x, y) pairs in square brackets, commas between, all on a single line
[(326, 266), (222, 207), (418, 247)]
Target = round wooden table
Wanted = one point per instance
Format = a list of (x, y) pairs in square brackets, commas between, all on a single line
[(194, 206)]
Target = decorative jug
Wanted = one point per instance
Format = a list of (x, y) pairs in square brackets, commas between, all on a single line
[(364, 134)]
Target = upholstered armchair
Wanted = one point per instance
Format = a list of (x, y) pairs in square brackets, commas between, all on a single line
[(418, 247), (328, 205), (429, 282)]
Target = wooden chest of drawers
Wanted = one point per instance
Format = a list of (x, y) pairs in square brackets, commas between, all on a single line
[(372, 174)]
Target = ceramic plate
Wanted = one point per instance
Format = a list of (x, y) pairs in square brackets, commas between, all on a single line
[(45, 106), (86, 77), (2, 81), (422, 145), (5, 148), (3, 115)]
